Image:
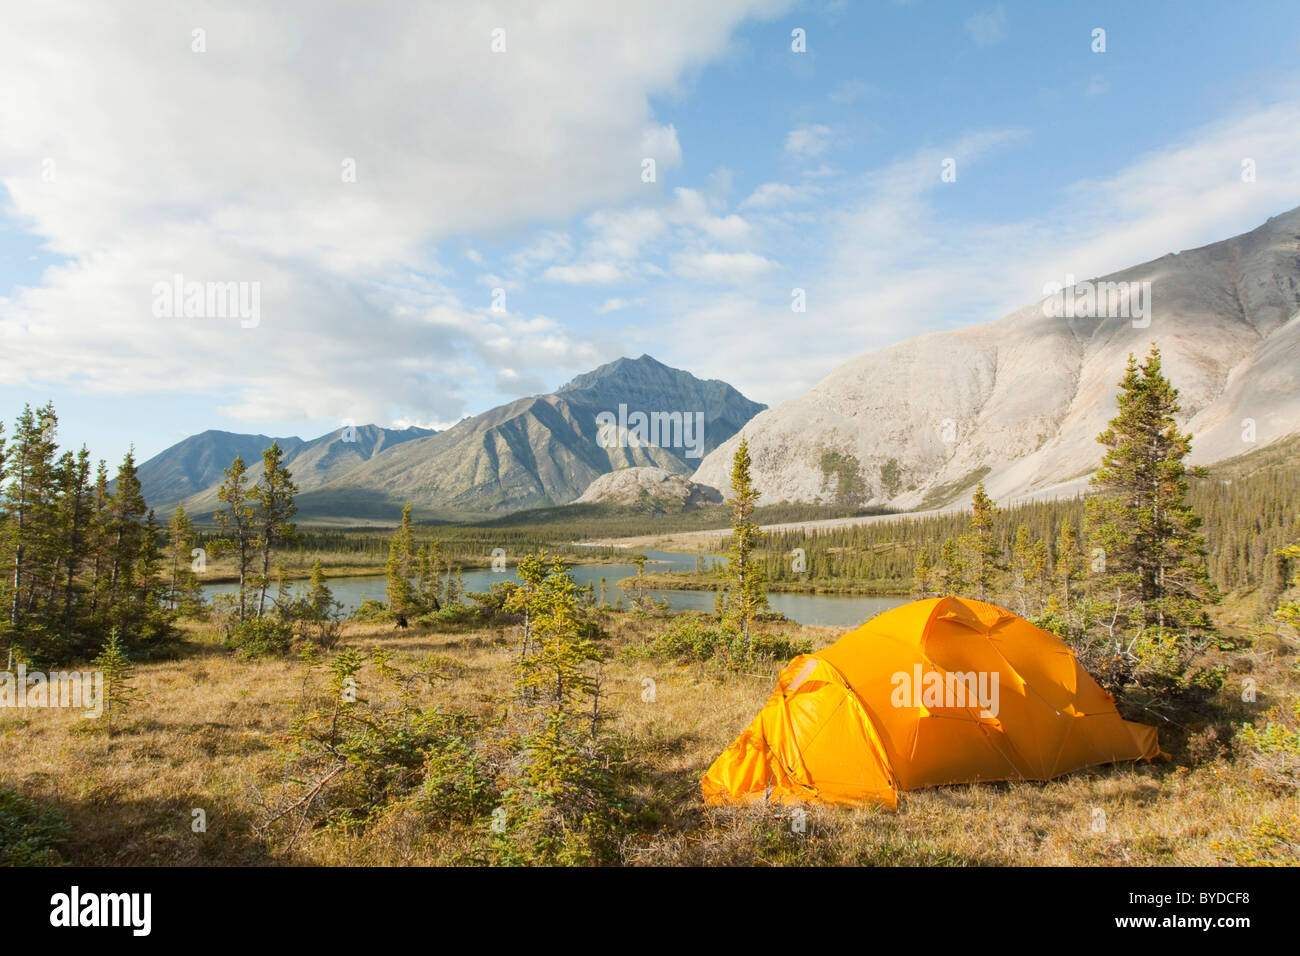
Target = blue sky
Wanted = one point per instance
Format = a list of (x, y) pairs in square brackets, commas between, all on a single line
[(520, 170)]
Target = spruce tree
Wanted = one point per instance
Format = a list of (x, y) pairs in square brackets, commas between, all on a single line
[(98, 538), (275, 507), (428, 581), (75, 556), (401, 597), (1288, 612), (453, 592), (562, 807), (31, 474), (1029, 572), (1020, 559), (125, 522), (979, 546), (1068, 562), (118, 672), (183, 593), (1153, 577), (76, 514), (639, 561), (319, 595), (921, 574), (235, 519), (746, 595), (553, 672), (531, 573), (145, 614), (951, 571)]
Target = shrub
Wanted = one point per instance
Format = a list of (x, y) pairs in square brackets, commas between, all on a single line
[(354, 757), (311, 621), (265, 636), (29, 835), (493, 600), (777, 647), (1265, 842), (1054, 622), (370, 611), (1162, 658), (562, 803), (452, 616), (1273, 751), (690, 638), (566, 806)]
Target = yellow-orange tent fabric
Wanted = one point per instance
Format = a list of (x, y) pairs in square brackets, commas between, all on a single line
[(857, 722)]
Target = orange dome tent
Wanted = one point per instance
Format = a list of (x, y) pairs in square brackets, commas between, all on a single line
[(935, 692)]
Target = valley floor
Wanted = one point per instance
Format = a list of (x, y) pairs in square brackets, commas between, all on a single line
[(209, 732), (714, 540)]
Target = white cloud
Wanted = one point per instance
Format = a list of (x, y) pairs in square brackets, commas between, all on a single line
[(693, 210), (436, 425), (588, 273), (808, 142), (492, 281), (231, 165), (623, 241), (511, 382), (894, 264), (616, 304), (548, 247), (624, 233), (771, 195), (727, 268)]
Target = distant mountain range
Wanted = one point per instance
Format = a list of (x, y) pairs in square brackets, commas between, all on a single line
[(1019, 402), (191, 466), (545, 449), (200, 460), (533, 452)]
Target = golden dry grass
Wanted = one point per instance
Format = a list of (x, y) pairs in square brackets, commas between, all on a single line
[(210, 727)]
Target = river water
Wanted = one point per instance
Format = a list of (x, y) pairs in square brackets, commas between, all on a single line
[(834, 610)]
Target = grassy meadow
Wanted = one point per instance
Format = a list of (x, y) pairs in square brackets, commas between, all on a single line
[(210, 731)]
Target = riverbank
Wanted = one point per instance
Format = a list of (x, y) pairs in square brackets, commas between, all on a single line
[(715, 539), (298, 567), (229, 575), (706, 581)]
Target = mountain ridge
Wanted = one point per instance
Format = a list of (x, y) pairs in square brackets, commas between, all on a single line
[(534, 451), (190, 471), (1019, 401), (543, 450)]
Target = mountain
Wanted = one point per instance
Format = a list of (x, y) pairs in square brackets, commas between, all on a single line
[(546, 449), (194, 464), (1020, 401), (191, 471), (650, 488), (648, 385)]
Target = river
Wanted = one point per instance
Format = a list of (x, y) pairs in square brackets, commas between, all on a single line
[(830, 609)]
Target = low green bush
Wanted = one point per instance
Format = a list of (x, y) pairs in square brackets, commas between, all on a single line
[(371, 611), (696, 638), (265, 636), (29, 835)]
